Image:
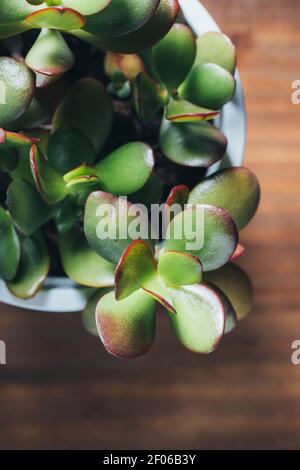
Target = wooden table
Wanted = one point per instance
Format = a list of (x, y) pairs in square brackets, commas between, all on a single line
[(61, 390)]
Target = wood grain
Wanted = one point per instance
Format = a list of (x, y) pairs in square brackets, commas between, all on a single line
[(61, 390)]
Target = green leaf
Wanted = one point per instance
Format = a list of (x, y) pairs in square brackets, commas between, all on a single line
[(33, 268), (107, 224), (66, 216), (200, 318), (149, 98), (81, 170), (14, 29), (192, 144), (35, 115), (14, 11), (68, 148), (231, 317), (236, 285), (234, 189), (9, 247), (49, 183), (204, 231), (178, 195), (17, 88), (126, 327), (174, 55), (81, 263), (183, 111), (85, 182), (216, 48), (23, 169), (127, 169), (87, 108), (156, 287), (89, 313), (136, 265), (61, 18), (179, 269), (50, 54), (208, 85), (26, 207), (14, 140), (84, 7), (148, 34), (121, 17)]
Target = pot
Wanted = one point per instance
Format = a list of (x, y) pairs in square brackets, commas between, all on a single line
[(61, 295)]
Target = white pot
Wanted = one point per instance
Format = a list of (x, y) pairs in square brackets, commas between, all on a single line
[(61, 295)]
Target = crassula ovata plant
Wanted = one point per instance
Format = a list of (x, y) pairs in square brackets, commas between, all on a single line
[(104, 99)]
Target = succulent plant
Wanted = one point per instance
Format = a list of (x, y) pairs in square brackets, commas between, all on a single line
[(114, 103)]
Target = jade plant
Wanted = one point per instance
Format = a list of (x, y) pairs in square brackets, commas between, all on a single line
[(115, 103)]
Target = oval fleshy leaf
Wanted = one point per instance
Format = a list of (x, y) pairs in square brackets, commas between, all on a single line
[(83, 265), (156, 287), (126, 327), (204, 231), (49, 183), (35, 115), (183, 111), (19, 85), (121, 17), (10, 139), (200, 318), (174, 55), (83, 170), (234, 189), (178, 195), (136, 265), (236, 285), (59, 17), (90, 7), (33, 268), (142, 38), (89, 313), (231, 318), (108, 221), (68, 148), (9, 247), (14, 11), (179, 269), (208, 85), (192, 144), (26, 207), (88, 108), (66, 216), (50, 54), (14, 29), (127, 169), (216, 48), (130, 65), (149, 98)]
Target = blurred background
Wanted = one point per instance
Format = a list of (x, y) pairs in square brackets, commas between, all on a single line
[(60, 390)]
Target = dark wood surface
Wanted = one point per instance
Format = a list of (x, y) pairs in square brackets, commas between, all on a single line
[(61, 390)]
